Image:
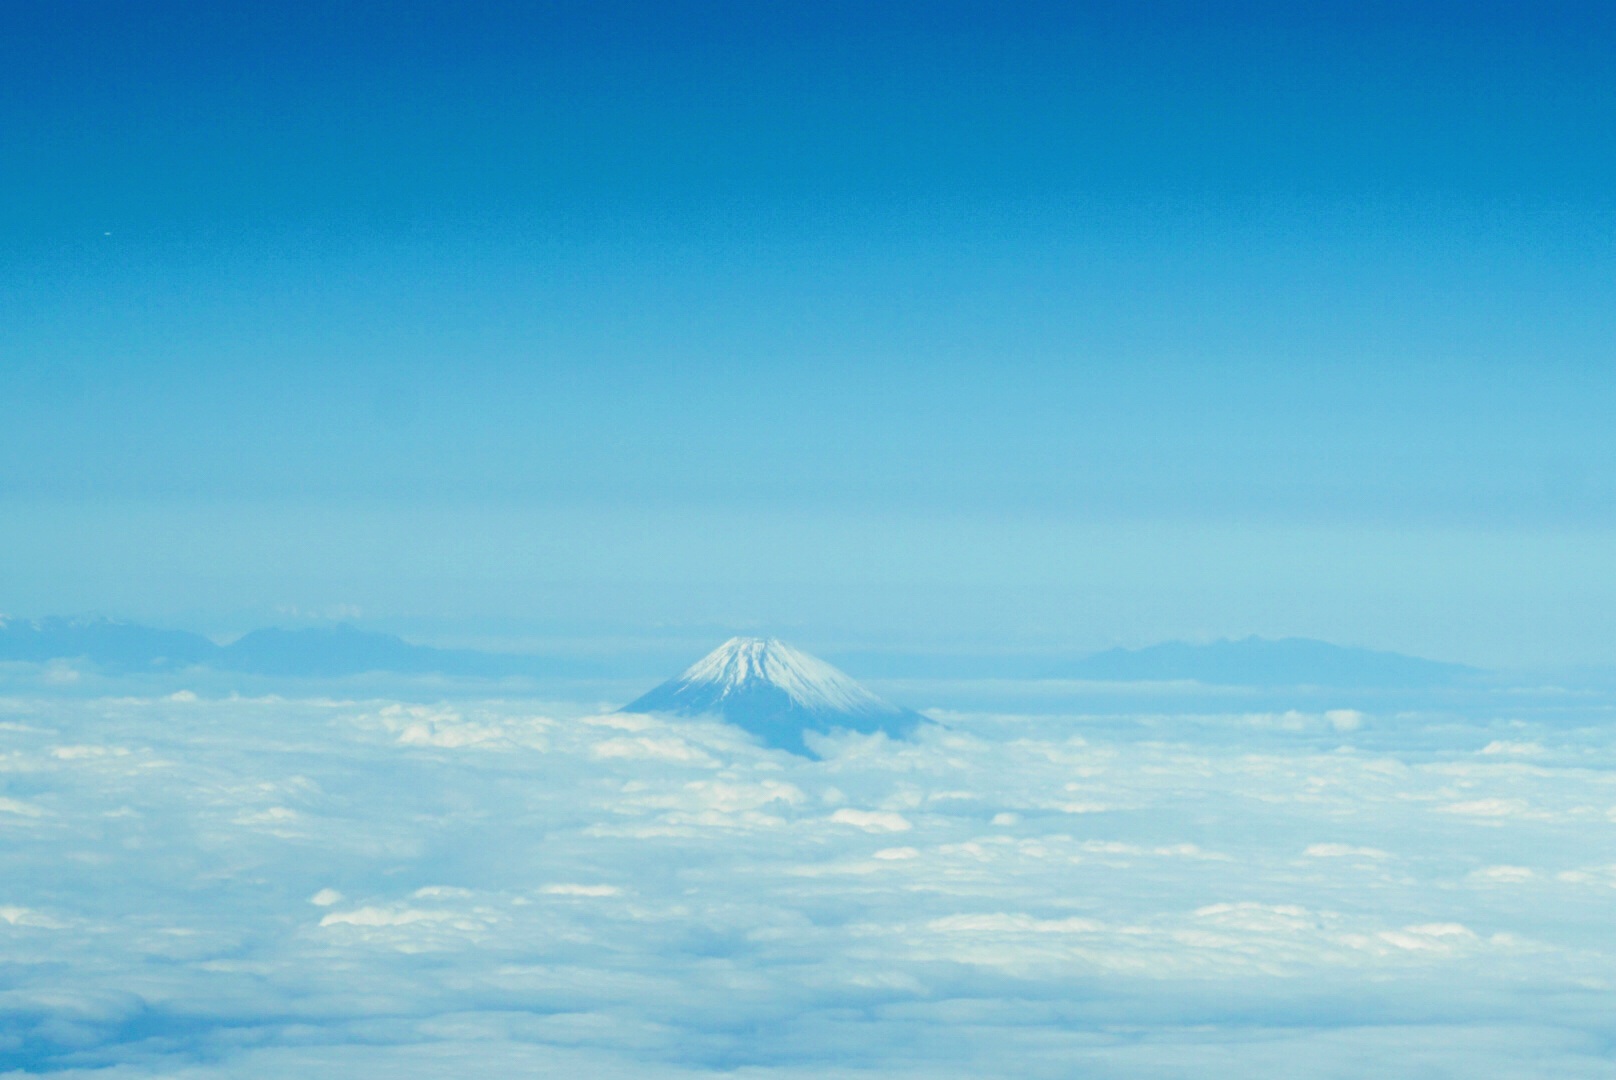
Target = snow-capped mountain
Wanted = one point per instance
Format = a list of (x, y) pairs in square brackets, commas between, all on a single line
[(775, 692)]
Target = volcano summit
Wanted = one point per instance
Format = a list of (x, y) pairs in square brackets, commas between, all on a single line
[(777, 693)]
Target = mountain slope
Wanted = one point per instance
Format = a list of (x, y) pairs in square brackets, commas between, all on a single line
[(335, 651), (314, 652), (776, 693), (1256, 661), (116, 646)]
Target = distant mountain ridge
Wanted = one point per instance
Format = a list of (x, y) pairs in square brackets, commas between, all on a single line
[(106, 642), (316, 652), (777, 693), (342, 650), (1256, 661), (1252, 662)]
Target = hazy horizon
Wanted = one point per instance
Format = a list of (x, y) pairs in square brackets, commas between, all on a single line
[(955, 344), (1069, 326)]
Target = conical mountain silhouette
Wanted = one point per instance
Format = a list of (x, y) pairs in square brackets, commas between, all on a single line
[(777, 693)]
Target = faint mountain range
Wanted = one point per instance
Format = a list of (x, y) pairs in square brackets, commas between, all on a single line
[(322, 652), (777, 693), (328, 652), (1249, 662), (1255, 661), (114, 645)]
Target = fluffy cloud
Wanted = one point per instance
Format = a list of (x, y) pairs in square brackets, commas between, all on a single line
[(408, 890), (1344, 851), (19, 808), (872, 820)]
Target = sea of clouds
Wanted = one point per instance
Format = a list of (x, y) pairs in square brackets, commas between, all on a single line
[(269, 887)]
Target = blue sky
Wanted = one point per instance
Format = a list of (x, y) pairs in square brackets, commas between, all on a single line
[(1071, 325), (962, 327)]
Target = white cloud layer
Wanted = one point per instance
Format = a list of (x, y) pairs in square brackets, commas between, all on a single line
[(273, 888)]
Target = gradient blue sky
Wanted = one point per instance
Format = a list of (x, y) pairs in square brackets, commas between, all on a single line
[(1052, 325)]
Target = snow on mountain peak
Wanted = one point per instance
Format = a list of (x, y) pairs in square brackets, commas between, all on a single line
[(776, 692), (811, 683)]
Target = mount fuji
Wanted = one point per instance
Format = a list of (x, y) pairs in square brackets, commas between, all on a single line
[(777, 693)]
